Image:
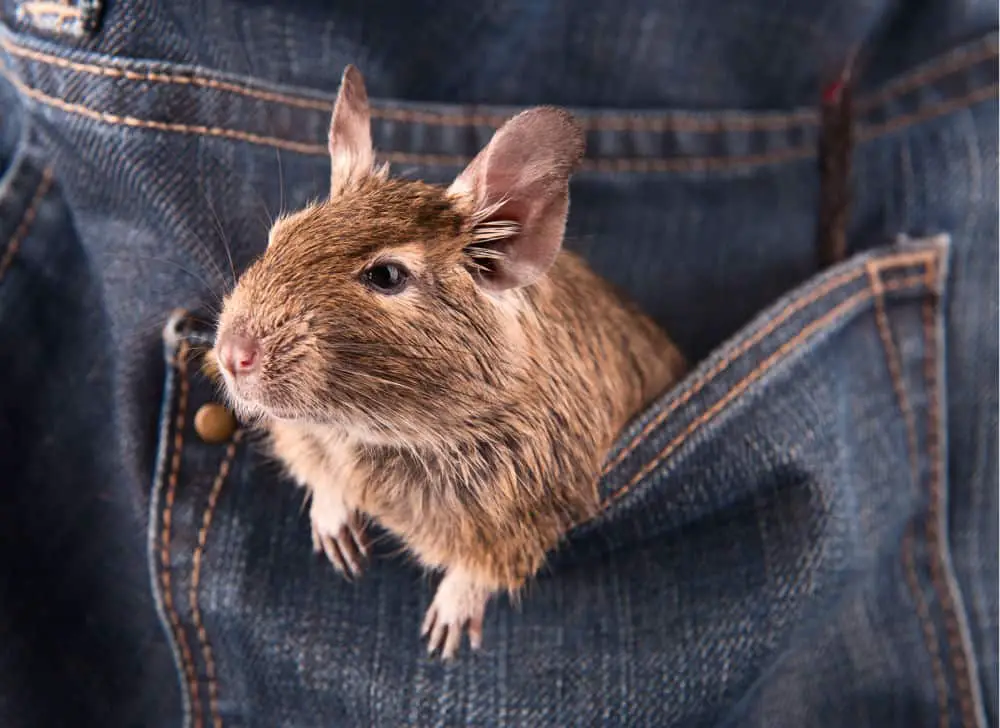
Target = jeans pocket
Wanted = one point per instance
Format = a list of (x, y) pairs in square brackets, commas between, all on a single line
[(791, 396), (792, 482), (73, 588)]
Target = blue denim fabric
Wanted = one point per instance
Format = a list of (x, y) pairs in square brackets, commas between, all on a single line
[(803, 533)]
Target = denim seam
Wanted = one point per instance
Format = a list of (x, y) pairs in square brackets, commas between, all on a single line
[(893, 363), (27, 221), (187, 658), (842, 310), (898, 260), (950, 63), (199, 552), (927, 627), (934, 521), (201, 130), (869, 132), (95, 69), (945, 66), (640, 165)]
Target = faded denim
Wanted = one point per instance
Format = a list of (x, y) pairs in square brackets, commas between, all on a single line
[(802, 533)]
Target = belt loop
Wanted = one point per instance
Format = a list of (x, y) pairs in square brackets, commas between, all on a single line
[(77, 19), (836, 144)]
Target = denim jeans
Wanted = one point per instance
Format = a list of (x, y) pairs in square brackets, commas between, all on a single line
[(802, 533)]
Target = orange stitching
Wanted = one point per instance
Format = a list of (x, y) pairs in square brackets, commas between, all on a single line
[(955, 61), (114, 119), (926, 626), (924, 258), (893, 362), (153, 77), (865, 133), (897, 261), (168, 599), (600, 165), (675, 122), (404, 115), (206, 522), (932, 530), (842, 308), (868, 133), (952, 63), (26, 222)]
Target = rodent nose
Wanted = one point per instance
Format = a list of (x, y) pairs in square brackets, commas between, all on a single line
[(239, 355)]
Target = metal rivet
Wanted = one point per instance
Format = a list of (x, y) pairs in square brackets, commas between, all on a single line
[(214, 423)]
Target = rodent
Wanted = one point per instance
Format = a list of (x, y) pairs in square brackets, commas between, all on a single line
[(431, 358)]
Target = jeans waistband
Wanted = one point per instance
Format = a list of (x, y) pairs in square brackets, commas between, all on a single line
[(196, 101)]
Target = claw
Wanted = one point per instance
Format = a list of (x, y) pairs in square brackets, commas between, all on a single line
[(436, 639), (429, 621), (347, 550), (360, 537), (476, 632), (334, 555), (447, 638), (457, 609), (452, 640)]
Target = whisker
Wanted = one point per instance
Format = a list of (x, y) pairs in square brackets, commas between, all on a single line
[(211, 289), (281, 186), (245, 188), (494, 231), (222, 234), (480, 216)]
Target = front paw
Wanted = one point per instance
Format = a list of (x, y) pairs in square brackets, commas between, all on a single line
[(343, 539), (458, 607)]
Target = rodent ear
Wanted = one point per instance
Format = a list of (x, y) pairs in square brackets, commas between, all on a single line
[(519, 187), (350, 144)]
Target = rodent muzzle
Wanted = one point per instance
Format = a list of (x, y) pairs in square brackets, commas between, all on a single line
[(238, 355)]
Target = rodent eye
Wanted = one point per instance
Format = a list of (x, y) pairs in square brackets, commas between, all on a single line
[(386, 278)]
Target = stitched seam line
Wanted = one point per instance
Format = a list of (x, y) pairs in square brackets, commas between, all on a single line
[(893, 363), (115, 119), (926, 626), (933, 532), (164, 78), (950, 64), (199, 552), (165, 535), (27, 220), (599, 165), (869, 132), (842, 309), (791, 309)]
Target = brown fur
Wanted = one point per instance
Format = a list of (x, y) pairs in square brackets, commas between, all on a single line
[(478, 429), (472, 424)]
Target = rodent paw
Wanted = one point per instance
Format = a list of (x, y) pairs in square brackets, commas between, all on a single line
[(458, 607), (345, 545), (446, 634)]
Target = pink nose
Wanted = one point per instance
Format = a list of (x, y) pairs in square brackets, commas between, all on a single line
[(239, 355)]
